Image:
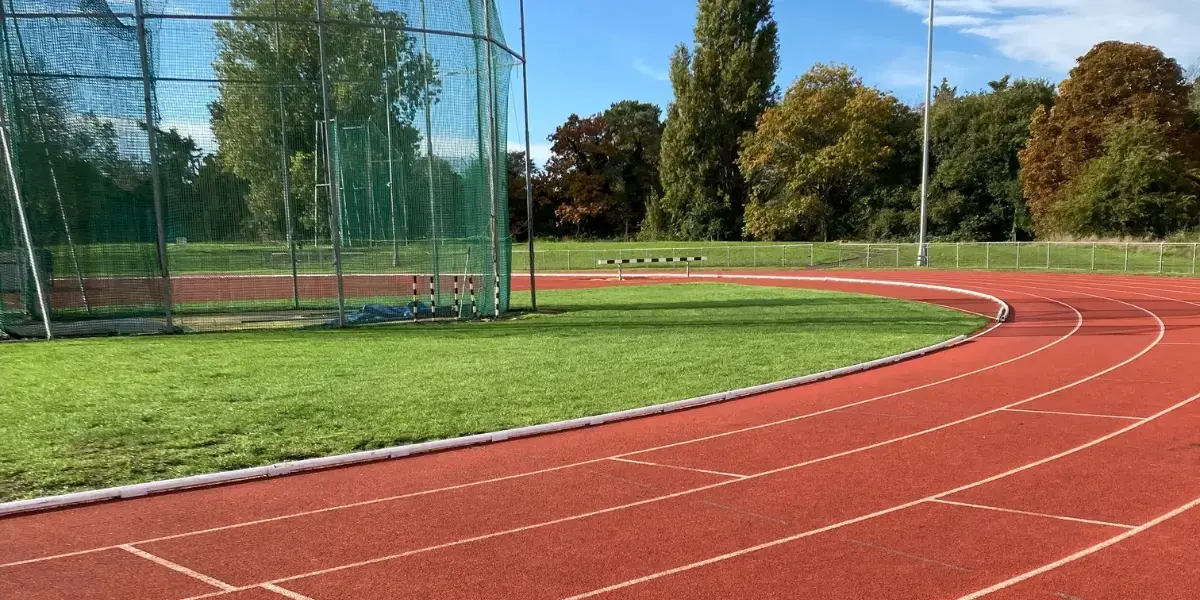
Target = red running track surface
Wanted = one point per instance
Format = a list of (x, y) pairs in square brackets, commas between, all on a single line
[(1057, 456)]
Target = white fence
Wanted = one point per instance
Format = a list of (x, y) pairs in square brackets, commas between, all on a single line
[(1166, 258)]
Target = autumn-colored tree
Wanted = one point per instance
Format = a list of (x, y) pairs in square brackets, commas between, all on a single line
[(543, 210), (578, 169), (633, 170), (1113, 83), (721, 87), (812, 155)]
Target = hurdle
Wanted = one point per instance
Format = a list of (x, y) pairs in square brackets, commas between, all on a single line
[(687, 260)]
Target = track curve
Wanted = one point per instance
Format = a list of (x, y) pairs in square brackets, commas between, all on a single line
[(976, 471)]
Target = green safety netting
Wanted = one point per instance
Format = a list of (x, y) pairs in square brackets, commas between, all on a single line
[(258, 176)]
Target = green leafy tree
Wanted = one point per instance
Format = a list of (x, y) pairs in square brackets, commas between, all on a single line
[(721, 86), (246, 117), (1113, 83), (637, 130), (1137, 187), (544, 221), (975, 191), (814, 155)]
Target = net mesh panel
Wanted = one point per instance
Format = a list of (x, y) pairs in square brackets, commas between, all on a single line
[(414, 152)]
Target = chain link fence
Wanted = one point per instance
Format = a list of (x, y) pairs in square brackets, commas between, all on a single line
[(227, 164)]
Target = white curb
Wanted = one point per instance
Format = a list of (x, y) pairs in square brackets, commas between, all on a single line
[(313, 464)]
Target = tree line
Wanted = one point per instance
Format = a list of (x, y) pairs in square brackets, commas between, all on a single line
[(1113, 150)]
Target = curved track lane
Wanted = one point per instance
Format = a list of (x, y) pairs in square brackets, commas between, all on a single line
[(977, 470)]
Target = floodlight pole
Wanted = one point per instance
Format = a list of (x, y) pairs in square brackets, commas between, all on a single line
[(528, 161), (155, 182), (491, 164), (335, 221), (923, 245), (286, 168)]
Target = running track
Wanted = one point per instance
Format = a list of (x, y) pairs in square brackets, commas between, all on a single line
[(1056, 457)]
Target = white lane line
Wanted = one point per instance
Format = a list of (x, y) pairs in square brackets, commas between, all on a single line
[(1033, 514), (217, 583), (762, 474), (284, 592), (1072, 414), (1083, 553), (665, 466), (1078, 325), (893, 509)]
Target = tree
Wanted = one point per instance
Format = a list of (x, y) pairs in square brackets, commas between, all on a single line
[(1138, 187), (812, 156), (544, 222), (721, 87), (246, 118), (975, 190), (1113, 83), (637, 138), (579, 172)]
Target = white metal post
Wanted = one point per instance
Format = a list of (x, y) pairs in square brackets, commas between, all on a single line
[(1194, 249), (987, 255), (1047, 256), (155, 182), (528, 161), (868, 256), (5, 146), (1018, 256), (1161, 248), (958, 255), (335, 207), (1127, 257), (812, 255), (923, 249), (1093, 256)]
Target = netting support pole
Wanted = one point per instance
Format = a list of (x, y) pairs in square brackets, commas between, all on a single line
[(37, 111), (491, 119), (5, 142), (335, 216), (155, 181), (387, 98), (283, 162), (528, 161), (433, 230)]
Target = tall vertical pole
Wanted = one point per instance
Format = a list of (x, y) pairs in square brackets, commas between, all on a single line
[(923, 250), (491, 164), (316, 181), (370, 185), (283, 163), (155, 182), (433, 221), (528, 161), (6, 147), (387, 117), (335, 216)]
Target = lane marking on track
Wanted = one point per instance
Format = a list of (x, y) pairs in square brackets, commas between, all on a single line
[(924, 559), (162, 562), (1083, 553), (1032, 514), (1162, 330), (654, 464), (284, 592), (900, 507), (1075, 329), (1071, 414)]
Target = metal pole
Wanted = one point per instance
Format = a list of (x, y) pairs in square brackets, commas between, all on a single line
[(387, 96), (286, 168), (1161, 248), (812, 255), (1018, 256), (987, 256), (1048, 256), (923, 250), (1093, 256), (316, 180), (1126, 257), (19, 203), (528, 160), (370, 186), (156, 184), (1194, 249), (433, 232), (491, 118), (335, 216), (958, 255), (868, 256), (62, 210)]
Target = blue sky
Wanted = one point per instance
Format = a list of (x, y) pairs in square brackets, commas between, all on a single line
[(586, 54)]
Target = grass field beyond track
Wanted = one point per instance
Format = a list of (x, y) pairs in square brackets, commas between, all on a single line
[(99, 412)]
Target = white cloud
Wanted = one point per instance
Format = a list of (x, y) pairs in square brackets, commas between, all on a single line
[(1055, 32), (640, 66)]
